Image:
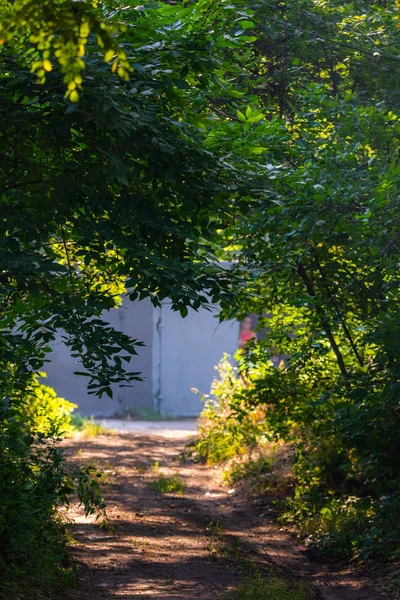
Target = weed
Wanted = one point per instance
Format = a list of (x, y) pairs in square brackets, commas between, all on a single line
[(215, 545), (168, 485), (213, 550), (104, 474), (140, 545), (154, 466), (215, 528)]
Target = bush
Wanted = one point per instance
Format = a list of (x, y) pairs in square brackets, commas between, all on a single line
[(34, 483), (45, 412), (227, 428), (346, 501)]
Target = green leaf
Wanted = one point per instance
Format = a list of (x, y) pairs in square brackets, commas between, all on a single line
[(255, 119), (246, 24)]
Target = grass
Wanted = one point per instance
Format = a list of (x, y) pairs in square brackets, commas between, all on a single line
[(88, 427), (137, 413), (168, 485), (272, 588)]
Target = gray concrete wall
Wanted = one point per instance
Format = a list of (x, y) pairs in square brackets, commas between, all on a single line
[(134, 319), (180, 354), (185, 353)]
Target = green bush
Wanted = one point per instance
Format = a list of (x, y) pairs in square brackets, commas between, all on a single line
[(346, 501), (250, 469), (35, 482), (226, 433), (45, 412)]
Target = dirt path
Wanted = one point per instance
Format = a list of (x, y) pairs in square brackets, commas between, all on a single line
[(197, 545)]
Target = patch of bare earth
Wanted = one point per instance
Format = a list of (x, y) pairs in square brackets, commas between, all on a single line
[(197, 545)]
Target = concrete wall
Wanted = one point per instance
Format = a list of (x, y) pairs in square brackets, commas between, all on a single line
[(134, 319), (179, 354), (185, 352)]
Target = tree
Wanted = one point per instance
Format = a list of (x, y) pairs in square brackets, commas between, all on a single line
[(118, 188), (107, 185), (320, 251)]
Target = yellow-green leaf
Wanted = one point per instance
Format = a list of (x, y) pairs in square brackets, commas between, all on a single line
[(109, 55)]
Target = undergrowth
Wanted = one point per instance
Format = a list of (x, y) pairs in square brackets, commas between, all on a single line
[(35, 482), (224, 434), (338, 501), (271, 588)]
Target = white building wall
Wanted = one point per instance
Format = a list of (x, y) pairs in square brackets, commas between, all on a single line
[(179, 354), (134, 319), (185, 353)]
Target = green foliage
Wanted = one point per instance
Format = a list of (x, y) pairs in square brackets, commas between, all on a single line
[(272, 588), (342, 507), (250, 469), (45, 412), (58, 32), (263, 133), (342, 526), (168, 485), (319, 256), (34, 483), (88, 427), (110, 192), (224, 433), (107, 188)]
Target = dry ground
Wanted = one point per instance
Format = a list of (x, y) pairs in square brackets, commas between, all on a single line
[(197, 545)]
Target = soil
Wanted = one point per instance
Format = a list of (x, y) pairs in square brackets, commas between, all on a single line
[(200, 544)]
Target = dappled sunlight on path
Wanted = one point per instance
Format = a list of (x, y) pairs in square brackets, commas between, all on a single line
[(168, 546)]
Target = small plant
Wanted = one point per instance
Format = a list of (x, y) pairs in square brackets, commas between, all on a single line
[(168, 485), (273, 588), (215, 545), (140, 545), (215, 528), (106, 474)]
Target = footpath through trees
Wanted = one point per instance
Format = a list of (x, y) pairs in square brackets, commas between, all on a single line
[(200, 540)]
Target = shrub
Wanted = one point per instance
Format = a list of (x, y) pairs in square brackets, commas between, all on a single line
[(224, 432), (346, 501), (45, 412), (34, 483)]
